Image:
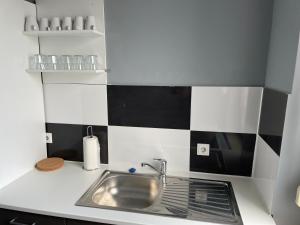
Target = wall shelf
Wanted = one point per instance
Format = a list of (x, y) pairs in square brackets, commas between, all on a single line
[(65, 33), (67, 71)]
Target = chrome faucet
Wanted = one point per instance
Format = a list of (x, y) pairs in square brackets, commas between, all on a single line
[(162, 170)]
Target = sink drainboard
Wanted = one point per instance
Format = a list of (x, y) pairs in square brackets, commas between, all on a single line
[(197, 199)]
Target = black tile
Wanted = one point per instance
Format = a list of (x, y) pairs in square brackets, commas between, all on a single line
[(147, 106), (230, 153), (67, 141), (272, 118)]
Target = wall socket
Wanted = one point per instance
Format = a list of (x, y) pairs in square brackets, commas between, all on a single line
[(203, 149), (49, 138)]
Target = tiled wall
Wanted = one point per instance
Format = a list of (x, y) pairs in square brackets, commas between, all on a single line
[(146, 106), (227, 119), (68, 141), (272, 118), (265, 171), (133, 145), (139, 123), (230, 153), (268, 146), (225, 109)]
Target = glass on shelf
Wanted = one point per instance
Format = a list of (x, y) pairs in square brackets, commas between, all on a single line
[(91, 62), (64, 62), (35, 61), (77, 62)]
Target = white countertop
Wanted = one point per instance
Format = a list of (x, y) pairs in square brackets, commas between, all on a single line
[(55, 194)]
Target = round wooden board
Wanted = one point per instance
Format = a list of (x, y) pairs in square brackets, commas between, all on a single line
[(50, 164)]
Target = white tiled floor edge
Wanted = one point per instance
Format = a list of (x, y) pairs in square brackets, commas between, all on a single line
[(225, 109)]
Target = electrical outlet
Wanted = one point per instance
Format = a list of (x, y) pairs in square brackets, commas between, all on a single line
[(49, 138), (203, 149)]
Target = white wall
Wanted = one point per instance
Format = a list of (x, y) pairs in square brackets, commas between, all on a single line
[(21, 97), (284, 208)]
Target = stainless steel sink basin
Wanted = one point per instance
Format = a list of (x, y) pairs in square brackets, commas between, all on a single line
[(188, 198), (127, 191)]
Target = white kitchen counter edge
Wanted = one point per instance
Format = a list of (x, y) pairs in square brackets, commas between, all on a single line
[(55, 194)]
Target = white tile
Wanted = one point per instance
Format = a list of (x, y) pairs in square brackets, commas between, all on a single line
[(76, 104), (130, 146), (225, 109), (265, 171)]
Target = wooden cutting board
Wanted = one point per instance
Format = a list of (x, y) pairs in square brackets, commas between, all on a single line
[(50, 164)]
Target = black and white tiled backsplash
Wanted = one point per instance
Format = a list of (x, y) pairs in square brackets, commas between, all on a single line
[(138, 123), (273, 112)]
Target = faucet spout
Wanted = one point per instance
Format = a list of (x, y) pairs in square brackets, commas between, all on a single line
[(149, 165)]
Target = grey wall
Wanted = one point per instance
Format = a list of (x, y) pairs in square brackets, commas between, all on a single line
[(188, 42), (285, 209), (283, 46), (280, 75)]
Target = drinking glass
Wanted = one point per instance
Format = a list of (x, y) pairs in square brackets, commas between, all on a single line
[(64, 62), (52, 61), (77, 62), (43, 62), (91, 62), (38, 62), (34, 60)]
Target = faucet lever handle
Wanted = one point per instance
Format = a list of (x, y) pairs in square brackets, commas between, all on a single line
[(160, 160)]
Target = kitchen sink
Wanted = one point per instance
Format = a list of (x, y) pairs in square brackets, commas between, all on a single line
[(188, 198), (127, 191)]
